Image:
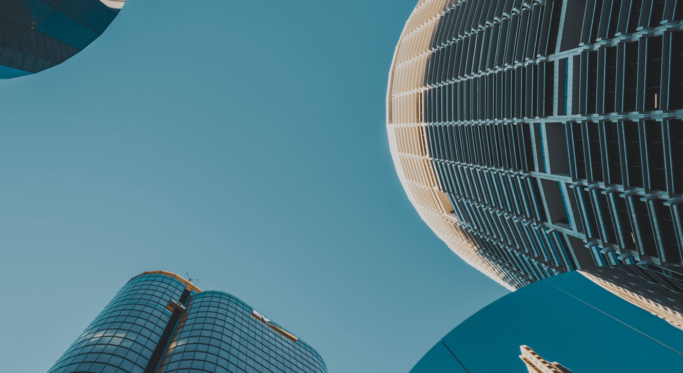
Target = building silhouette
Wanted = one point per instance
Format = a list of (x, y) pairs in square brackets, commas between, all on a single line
[(539, 137), (38, 34), (160, 322)]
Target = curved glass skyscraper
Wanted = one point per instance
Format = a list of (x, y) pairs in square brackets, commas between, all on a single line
[(38, 34), (160, 322), (537, 137)]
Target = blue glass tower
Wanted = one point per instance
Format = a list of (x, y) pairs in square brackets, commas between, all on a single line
[(160, 322), (38, 34)]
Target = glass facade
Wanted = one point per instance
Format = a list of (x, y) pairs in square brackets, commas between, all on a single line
[(38, 34), (540, 137), (608, 319), (159, 322)]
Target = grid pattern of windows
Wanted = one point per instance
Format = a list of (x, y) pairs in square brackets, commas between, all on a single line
[(160, 322), (38, 34), (217, 334), (124, 335), (545, 132)]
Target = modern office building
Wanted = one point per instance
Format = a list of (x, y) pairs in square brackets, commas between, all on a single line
[(575, 323), (536, 364), (537, 137), (160, 322), (38, 34)]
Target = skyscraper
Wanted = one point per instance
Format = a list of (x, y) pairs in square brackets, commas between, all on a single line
[(38, 34), (540, 137), (160, 322)]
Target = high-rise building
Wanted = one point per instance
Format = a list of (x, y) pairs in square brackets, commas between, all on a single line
[(160, 322), (536, 364), (585, 321), (38, 34), (537, 137)]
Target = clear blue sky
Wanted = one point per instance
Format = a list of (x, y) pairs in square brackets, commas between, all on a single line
[(243, 142)]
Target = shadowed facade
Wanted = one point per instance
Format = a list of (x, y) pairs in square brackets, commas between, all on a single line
[(38, 34), (541, 137)]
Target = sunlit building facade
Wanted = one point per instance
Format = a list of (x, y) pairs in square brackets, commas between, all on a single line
[(537, 137), (160, 322), (38, 34), (536, 364)]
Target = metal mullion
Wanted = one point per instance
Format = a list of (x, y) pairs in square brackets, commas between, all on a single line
[(603, 152), (611, 194), (677, 217), (624, 14), (543, 233), (536, 203), (534, 28), (488, 18), (523, 236), (495, 184), (633, 218), (522, 36), (495, 229), (644, 163), (496, 215), (463, 217), (546, 23), (655, 224), (597, 212), (605, 17), (502, 40), (588, 17), (474, 26), (490, 189), (512, 231), (492, 46), (482, 221), (668, 156), (446, 182), (465, 19), (645, 14), (514, 193), (473, 180), (533, 241), (511, 40), (623, 160), (484, 189), (640, 82), (506, 191), (463, 177), (669, 11), (579, 197), (541, 272), (525, 196), (665, 84), (555, 235), (483, 50), (585, 142)]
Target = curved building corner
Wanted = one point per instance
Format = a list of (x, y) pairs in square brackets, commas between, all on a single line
[(36, 35), (160, 322), (542, 137)]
